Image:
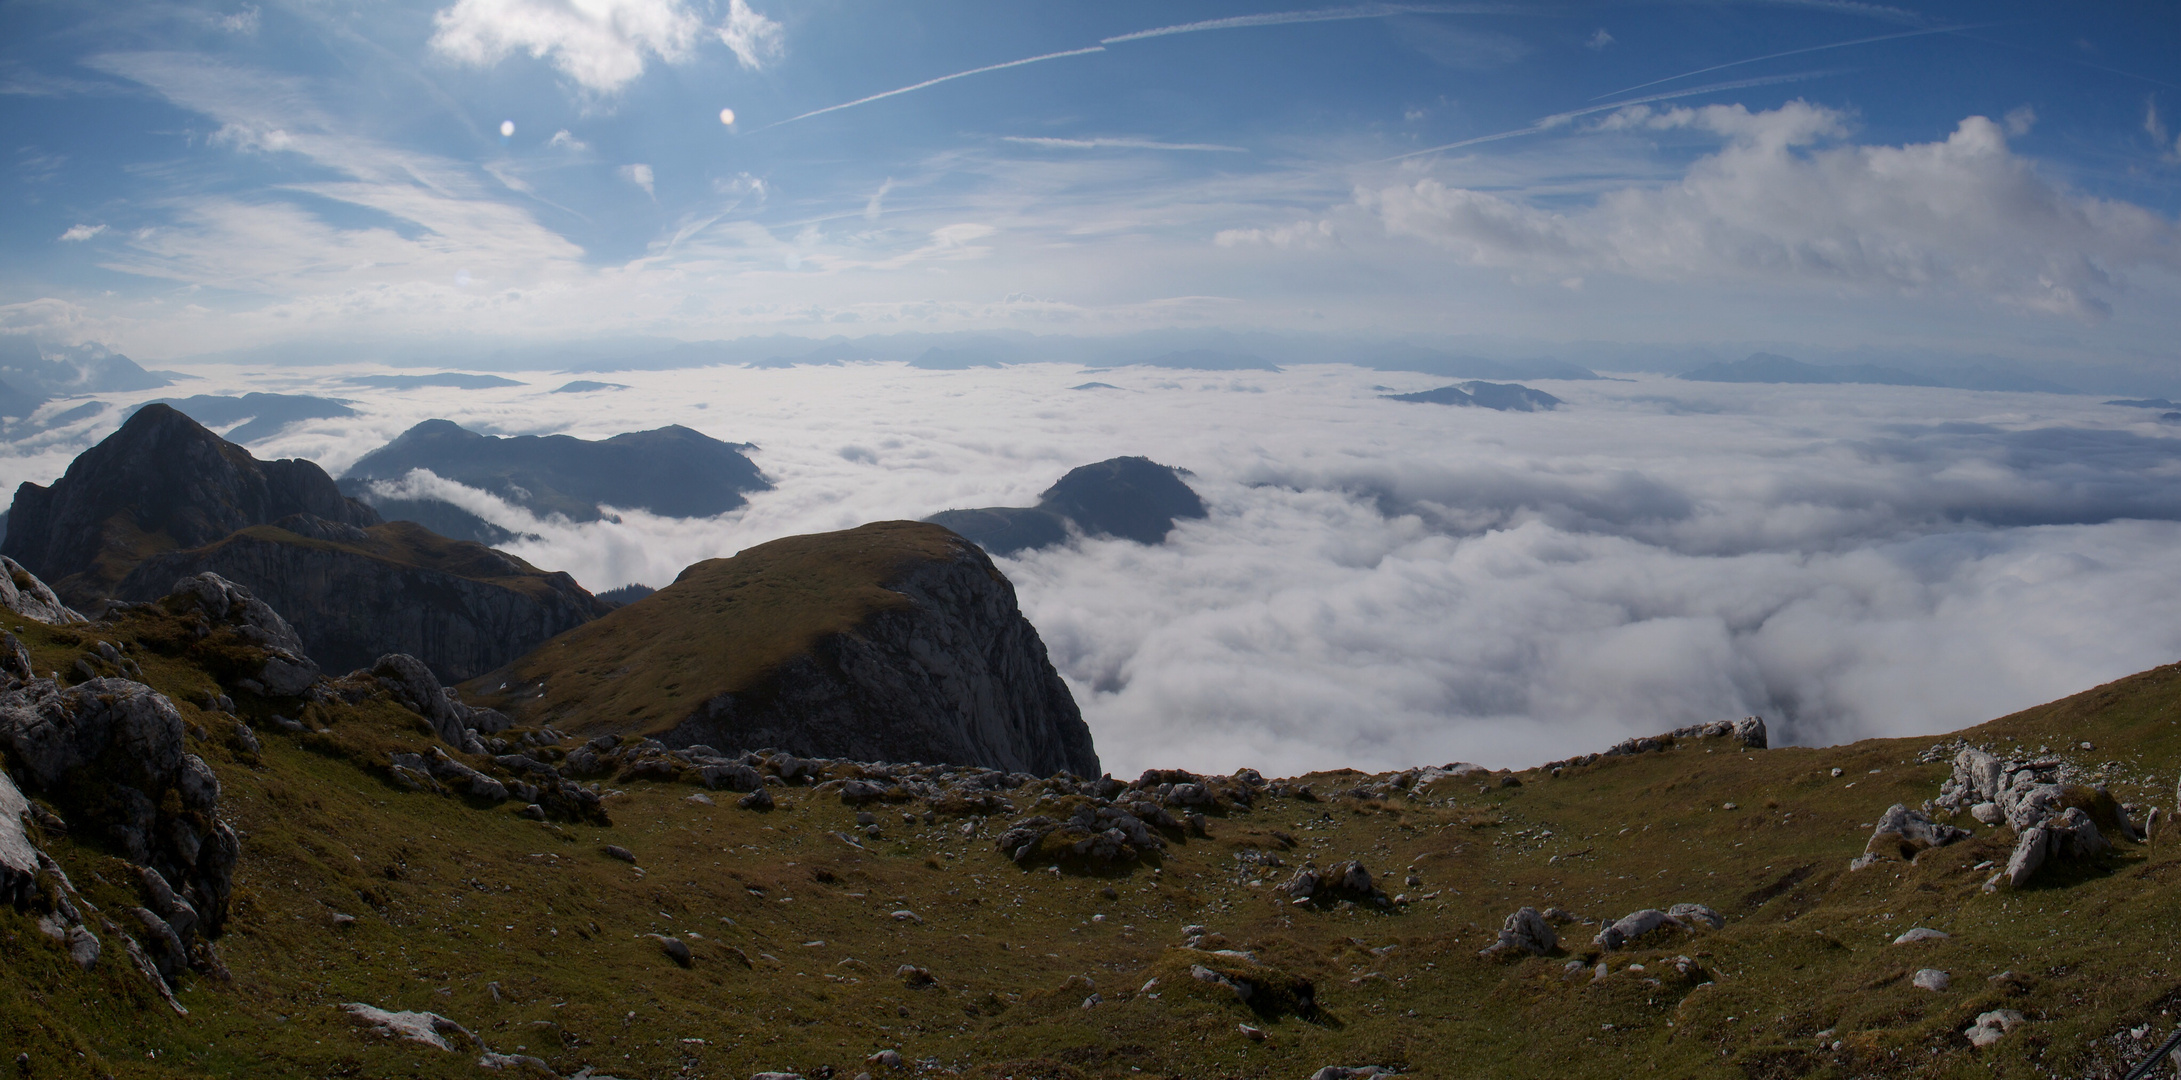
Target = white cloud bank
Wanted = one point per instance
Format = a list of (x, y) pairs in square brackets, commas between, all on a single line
[(1783, 202), (601, 44), (1383, 583)]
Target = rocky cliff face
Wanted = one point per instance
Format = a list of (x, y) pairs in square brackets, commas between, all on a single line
[(956, 676), (159, 483), (354, 594), (896, 641)]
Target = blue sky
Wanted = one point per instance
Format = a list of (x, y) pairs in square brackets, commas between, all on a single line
[(192, 178)]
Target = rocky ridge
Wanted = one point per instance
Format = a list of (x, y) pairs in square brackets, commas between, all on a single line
[(160, 483), (892, 640), (354, 593)]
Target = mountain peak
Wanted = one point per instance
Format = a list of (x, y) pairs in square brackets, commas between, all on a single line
[(161, 482)]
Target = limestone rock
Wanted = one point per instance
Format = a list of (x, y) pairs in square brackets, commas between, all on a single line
[(675, 949), (1905, 833), (22, 593), (1524, 931), (156, 802), (287, 671), (414, 686), (1990, 1027), (1690, 914), (1920, 933), (18, 857), (1749, 731), (428, 1028), (1633, 925), (1346, 880), (1931, 979)]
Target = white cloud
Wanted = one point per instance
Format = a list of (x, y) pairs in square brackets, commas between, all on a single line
[(640, 175), (1598, 41), (82, 232), (872, 209), (1965, 217), (601, 44), (1302, 234), (754, 38), (562, 140), (1385, 584)]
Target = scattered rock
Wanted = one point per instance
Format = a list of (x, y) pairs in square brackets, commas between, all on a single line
[(1634, 925), (1525, 931), (1688, 914), (1920, 933), (675, 949), (1931, 979), (1992, 1026), (885, 1059), (1988, 813), (1346, 880), (1351, 1072), (914, 977), (1253, 1034), (756, 800), (616, 851), (428, 1028), (1904, 833)]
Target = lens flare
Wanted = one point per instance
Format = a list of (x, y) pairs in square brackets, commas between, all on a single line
[(507, 128), (727, 117)]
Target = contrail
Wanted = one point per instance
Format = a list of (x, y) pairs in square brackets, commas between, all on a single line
[(932, 82), (1282, 18), (1557, 119), (1791, 52)]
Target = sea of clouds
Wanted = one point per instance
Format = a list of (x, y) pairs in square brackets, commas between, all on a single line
[(1382, 583)]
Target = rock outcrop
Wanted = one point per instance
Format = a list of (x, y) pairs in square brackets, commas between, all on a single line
[(1133, 498), (110, 754), (22, 593), (161, 482), (354, 594), (2051, 819), (896, 641)]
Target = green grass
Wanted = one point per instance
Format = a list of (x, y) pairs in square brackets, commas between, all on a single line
[(720, 628), (449, 898)]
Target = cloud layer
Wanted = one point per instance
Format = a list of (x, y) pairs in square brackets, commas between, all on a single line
[(1382, 583), (1781, 203)]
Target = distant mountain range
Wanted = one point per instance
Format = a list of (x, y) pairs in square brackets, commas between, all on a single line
[(33, 374), (256, 416), (670, 471), (1505, 397), (1133, 498), (1773, 368)]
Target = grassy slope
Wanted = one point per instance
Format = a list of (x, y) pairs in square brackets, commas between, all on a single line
[(718, 629), (450, 898)]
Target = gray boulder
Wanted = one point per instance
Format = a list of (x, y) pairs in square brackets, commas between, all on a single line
[(1992, 1026), (1905, 833), (18, 857), (414, 686), (22, 593), (1748, 731), (1525, 931), (287, 671), (1690, 914), (1632, 926), (112, 750)]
